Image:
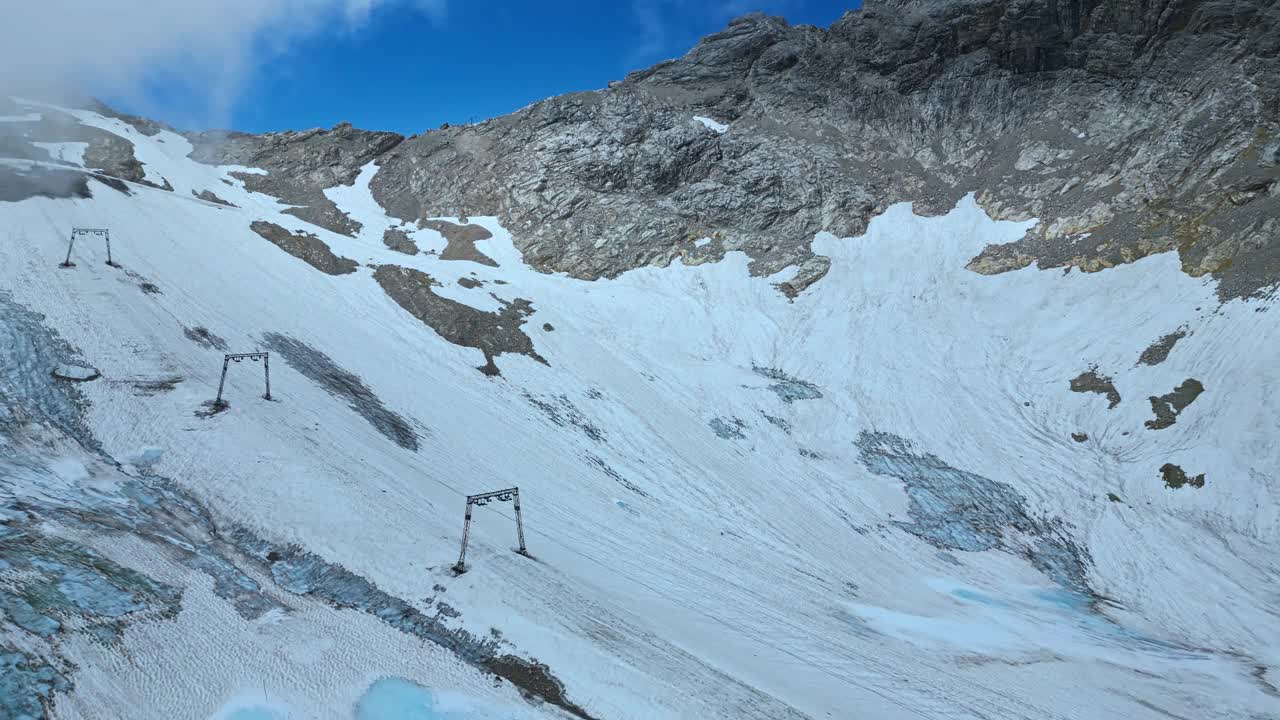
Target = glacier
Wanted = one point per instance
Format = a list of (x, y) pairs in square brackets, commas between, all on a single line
[(864, 501)]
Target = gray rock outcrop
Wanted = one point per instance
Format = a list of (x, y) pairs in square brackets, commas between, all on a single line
[(1129, 128)]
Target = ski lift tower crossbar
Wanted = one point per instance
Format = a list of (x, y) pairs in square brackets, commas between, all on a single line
[(240, 357), (103, 233), (510, 494)]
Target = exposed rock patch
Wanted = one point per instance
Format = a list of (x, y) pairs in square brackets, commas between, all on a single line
[(210, 196), (306, 247), (398, 240), (1092, 381), (461, 241), (470, 283), (1169, 406), (299, 165), (492, 333), (1158, 351), (1079, 436), (1175, 477)]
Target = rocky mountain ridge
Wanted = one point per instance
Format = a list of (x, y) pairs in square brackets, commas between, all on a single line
[(1127, 128)]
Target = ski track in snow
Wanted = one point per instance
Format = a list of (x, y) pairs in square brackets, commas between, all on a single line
[(748, 576)]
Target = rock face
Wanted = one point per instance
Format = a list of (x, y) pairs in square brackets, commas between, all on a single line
[(299, 165), (1129, 128), (492, 333), (1169, 406), (306, 247)]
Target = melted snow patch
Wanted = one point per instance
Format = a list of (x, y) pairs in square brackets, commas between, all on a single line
[(711, 125), (399, 699)]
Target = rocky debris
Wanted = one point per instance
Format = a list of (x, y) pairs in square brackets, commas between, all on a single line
[(398, 240), (305, 247), (1169, 406), (728, 428), (1091, 381), (492, 333), (561, 411), (210, 196), (780, 423), (1175, 477), (299, 165), (787, 388), (1158, 351), (76, 373), (322, 370), (605, 468), (205, 339), (461, 241), (470, 283), (957, 510)]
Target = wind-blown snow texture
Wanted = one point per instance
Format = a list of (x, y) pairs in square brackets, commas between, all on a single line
[(863, 502)]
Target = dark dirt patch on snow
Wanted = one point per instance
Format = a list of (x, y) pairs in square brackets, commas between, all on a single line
[(321, 369), (205, 339)]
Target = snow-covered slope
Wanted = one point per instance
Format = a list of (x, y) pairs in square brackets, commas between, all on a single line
[(863, 503)]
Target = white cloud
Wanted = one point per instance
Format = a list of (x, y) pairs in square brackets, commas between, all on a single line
[(60, 48)]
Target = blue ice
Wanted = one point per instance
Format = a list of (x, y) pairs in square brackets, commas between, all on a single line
[(256, 713), (399, 699)]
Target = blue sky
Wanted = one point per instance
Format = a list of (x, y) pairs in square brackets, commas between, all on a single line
[(406, 70)]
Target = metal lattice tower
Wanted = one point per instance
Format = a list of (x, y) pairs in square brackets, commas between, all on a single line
[(239, 357), (76, 232), (510, 494)]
